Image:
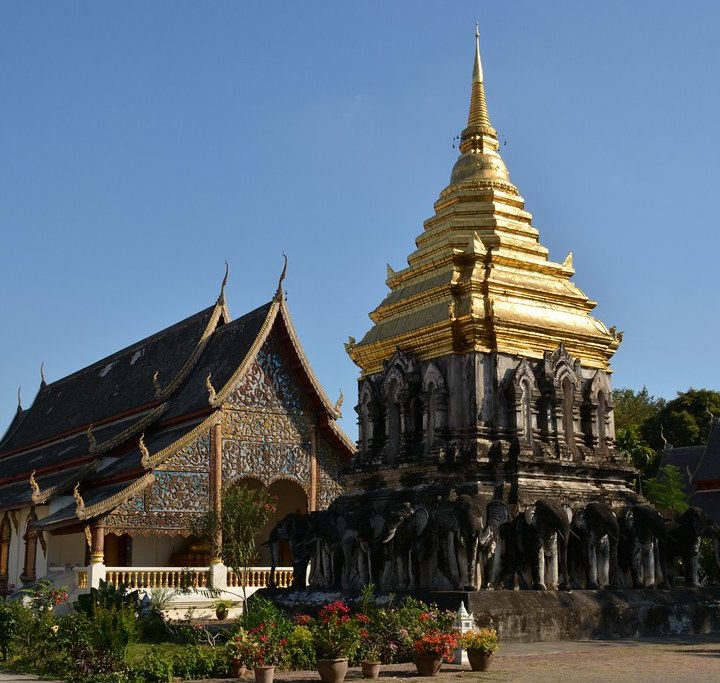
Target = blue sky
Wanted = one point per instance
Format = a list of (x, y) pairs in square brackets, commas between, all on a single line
[(143, 143)]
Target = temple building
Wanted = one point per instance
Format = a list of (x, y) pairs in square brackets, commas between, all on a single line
[(484, 363), (104, 472)]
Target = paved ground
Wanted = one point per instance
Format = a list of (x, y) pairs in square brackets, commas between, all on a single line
[(646, 660)]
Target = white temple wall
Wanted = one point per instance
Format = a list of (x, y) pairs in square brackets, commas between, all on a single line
[(154, 551), (63, 549)]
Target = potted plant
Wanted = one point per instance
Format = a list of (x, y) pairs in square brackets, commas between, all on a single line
[(222, 607), (431, 648), (369, 648), (242, 648), (268, 645), (337, 637), (481, 645)]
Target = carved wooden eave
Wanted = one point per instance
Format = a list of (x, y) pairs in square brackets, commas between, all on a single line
[(150, 460), (84, 512), (220, 311), (40, 496)]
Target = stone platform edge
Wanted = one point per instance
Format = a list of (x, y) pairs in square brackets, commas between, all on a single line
[(531, 616)]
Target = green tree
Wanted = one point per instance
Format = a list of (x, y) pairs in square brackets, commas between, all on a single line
[(641, 456), (245, 512), (634, 408), (665, 490), (685, 420)]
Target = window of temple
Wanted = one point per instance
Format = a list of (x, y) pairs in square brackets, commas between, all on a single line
[(393, 408), (568, 392), (5, 536), (526, 411)]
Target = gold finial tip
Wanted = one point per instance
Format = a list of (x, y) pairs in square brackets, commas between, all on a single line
[(477, 67)]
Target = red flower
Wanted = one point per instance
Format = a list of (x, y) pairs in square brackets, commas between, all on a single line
[(363, 618)]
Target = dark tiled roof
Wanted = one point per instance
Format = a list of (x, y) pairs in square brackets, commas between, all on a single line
[(709, 467), (19, 493), (686, 460), (131, 462), (221, 357), (111, 386), (708, 502)]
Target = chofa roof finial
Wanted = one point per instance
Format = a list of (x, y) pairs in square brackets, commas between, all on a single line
[(279, 291), (144, 452), (34, 485), (43, 383), (79, 502), (221, 298), (19, 408)]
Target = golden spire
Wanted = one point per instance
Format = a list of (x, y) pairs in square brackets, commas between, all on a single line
[(479, 159), (478, 115)]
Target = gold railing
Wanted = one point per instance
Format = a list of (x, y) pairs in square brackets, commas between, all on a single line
[(259, 577), (158, 578), (82, 579)]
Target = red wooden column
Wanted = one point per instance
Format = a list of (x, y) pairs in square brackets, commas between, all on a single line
[(97, 541)]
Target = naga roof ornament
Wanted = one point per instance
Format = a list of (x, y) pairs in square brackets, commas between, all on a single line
[(279, 291)]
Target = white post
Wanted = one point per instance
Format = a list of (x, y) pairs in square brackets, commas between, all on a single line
[(95, 572)]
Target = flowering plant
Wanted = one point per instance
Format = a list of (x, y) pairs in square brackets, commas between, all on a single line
[(268, 644), (437, 643), (44, 595), (242, 647), (480, 640), (335, 632)]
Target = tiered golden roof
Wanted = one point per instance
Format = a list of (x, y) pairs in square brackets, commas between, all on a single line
[(479, 279)]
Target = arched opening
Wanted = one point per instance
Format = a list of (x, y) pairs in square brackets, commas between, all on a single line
[(601, 412), (291, 497), (568, 392), (5, 536), (430, 418), (365, 424), (526, 411), (30, 538), (393, 419)]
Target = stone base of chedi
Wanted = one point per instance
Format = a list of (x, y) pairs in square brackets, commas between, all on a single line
[(532, 616)]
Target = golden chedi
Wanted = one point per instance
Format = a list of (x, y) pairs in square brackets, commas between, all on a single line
[(483, 363)]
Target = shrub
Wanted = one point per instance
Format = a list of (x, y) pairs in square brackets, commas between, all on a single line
[(480, 640), (7, 629), (436, 643), (113, 629), (335, 633), (300, 649), (107, 596)]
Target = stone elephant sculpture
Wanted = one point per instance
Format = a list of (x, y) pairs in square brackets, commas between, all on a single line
[(642, 546), (595, 534), (468, 528), (407, 544), (539, 537), (684, 533), (312, 538)]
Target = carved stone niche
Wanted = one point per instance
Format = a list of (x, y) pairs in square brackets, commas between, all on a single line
[(563, 381), (524, 402), (434, 410), (371, 420), (597, 408), (400, 391)]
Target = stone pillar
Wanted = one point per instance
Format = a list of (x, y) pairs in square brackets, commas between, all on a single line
[(216, 490), (312, 497)]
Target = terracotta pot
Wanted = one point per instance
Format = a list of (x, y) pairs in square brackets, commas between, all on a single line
[(332, 670), (427, 665), (238, 668), (264, 674), (221, 614), (479, 660), (370, 669)]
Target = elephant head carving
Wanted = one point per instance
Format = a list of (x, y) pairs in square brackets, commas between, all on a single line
[(642, 545)]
